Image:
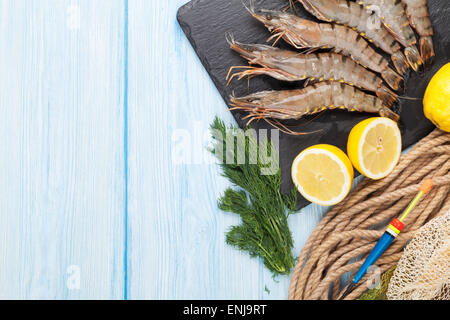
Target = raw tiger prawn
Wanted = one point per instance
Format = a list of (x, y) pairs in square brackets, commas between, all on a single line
[(302, 33), (393, 15), (272, 106), (286, 65), (419, 18), (354, 15)]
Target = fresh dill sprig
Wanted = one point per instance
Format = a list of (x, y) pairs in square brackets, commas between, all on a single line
[(264, 231)]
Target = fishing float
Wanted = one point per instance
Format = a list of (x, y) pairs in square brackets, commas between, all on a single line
[(392, 231)]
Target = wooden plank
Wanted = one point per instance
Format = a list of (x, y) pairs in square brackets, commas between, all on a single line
[(176, 245), (62, 159), (176, 234)]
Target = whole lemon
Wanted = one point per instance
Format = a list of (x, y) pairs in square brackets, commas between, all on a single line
[(436, 103)]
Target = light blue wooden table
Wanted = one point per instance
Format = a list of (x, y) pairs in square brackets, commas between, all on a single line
[(94, 203)]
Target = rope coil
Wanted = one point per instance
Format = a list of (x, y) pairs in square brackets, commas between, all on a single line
[(352, 228)]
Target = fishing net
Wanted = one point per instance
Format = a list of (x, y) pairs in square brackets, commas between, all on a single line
[(353, 227), (423, 272)]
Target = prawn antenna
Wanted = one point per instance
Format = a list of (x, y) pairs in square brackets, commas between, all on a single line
[(292, 7), (278, 125), (250, 7), (409, 98), (291, 4), (230, 38)]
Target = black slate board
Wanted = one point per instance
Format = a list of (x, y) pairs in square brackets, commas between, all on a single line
[(205, 23)]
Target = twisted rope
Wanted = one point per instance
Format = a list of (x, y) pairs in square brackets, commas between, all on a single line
[(352, 228)]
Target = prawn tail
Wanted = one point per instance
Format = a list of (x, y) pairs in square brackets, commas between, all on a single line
[(413, 57), (388, 113), (394, 80), (427, 49), (400, 62), (387, 96)]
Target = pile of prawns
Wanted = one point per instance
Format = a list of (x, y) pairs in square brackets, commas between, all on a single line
[(335, 78)]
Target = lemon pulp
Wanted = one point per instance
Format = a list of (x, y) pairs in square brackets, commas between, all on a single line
[(323, 174), (374, 147)]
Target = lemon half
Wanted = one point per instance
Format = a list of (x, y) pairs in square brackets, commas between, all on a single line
[(323, 174), (374, 147)]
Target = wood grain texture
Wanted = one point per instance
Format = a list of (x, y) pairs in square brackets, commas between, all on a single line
[(176, 247), (62, 161), (93, 111)]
